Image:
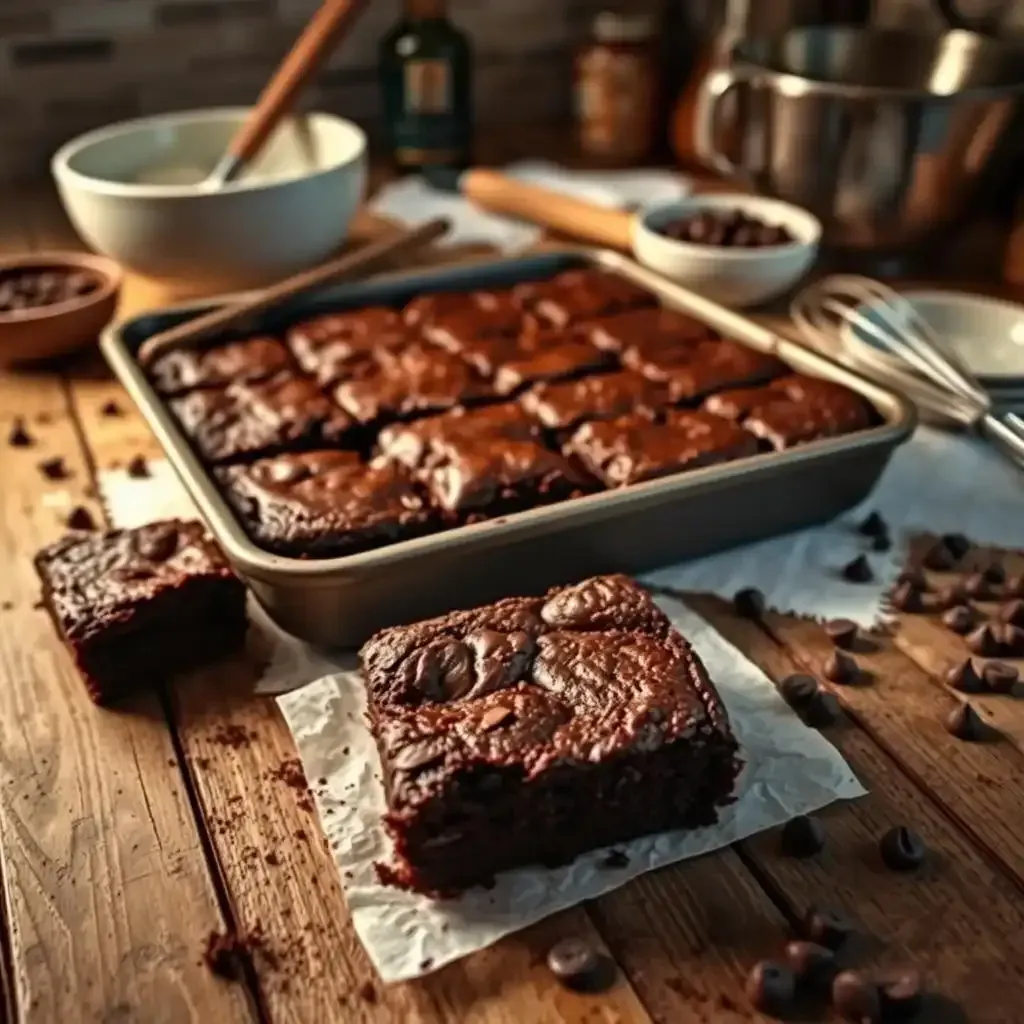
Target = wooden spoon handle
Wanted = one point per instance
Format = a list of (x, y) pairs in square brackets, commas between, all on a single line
[(331, 21), (500, 194), (353, 264)]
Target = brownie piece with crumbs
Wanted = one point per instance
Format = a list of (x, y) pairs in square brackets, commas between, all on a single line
[(564, 405), (536, 729), (216, 366), (329, 346), (576, 296), (134, 606)]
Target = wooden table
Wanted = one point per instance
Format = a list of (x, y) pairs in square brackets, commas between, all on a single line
[(128, 836)]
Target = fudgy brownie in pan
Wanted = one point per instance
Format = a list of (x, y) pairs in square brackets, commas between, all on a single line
[(576, 296), (649, 329), (248, 360), (458, 328), (547, 355), (329, 346), (535, 729), (426, 310), (483, 462), (246, 420), (412, 380), (631, 449), (564, 405), (793, 410), (326, 504), (134, 606)]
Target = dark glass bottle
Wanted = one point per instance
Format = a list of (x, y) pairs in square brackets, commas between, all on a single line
[(426, 82)]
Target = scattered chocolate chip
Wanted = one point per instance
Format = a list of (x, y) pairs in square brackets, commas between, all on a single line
[(873, 526), (950, 595), (798, 690), (827, 928), (54, 469), (978, 586), (982, 641), (938, 557), (956, 544), (881, 543), (733, 228), (822, 710), (813, 966), (964, 678), (138, 468), (840, 668), (855, 998), (902, 849), (907, 598), (748, 603), (901, 993), (999, 677), (771, 988), (959, 619), (577, 964), (914, 577), (964, 723), (1009, 639), (80, 518), (803, 836), (994, 573), (1012, 612), (19, 437), (858, 571), (111, 408), (842, 633)]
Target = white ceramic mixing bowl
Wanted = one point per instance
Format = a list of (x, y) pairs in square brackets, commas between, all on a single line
[(132, 190)]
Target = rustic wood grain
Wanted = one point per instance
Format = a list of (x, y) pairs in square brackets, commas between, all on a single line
[(959, 916)]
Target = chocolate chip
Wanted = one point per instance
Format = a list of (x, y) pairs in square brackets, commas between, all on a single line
[(959, 620), (858, 571), (822, 710), (1009, 639), (799, 689), (855, 998), (956, 544), (907, 598), (840, 668), (983, 641), (994, 573), (828, 928), (938, 557), (901, 993), (881, 543), (748, 603), (138, 468), (54, 469), (578, 965), (913, 577), (999, 677), (813, 966), (19, 437), (964, 678), (803, 836), (873, 526), (902, 849), (493, 717), (842, 633), (111, 408), (950, 595), (80, 518), (978, 586), (771, 988), (1012, 612), (964, 723), (417, 755)]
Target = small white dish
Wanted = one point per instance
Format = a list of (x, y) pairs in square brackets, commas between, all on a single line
[(987, 335), (134, 192), (730, 275)]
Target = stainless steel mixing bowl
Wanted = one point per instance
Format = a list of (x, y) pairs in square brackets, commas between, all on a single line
[(887, 136)]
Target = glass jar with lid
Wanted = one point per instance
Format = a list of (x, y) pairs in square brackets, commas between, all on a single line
[(616, 88)]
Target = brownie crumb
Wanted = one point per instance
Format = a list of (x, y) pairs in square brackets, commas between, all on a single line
[(368, 992), (111, 408), (273, 859), (614, 859), (80, 518), (300, 834), (232, 736), (19, 436), (291, 774), (54, 469), (138, 468), (224, 955)]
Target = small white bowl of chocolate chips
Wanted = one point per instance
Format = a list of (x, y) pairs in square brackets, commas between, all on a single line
[(739, 250)]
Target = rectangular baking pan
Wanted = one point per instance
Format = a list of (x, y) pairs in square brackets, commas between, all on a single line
[(341, 601)]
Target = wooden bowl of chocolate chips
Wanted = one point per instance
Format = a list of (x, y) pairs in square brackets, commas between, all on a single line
[(52, 303)]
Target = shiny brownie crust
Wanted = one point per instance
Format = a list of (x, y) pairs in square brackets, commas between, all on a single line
[(134, 606), (535, 729)]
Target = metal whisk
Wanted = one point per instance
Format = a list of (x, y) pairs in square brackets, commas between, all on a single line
[(912, 358)]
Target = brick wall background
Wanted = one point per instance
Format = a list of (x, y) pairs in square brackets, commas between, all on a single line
[(70, 65)]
